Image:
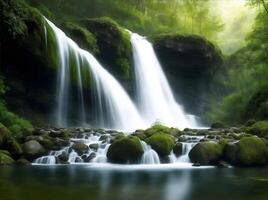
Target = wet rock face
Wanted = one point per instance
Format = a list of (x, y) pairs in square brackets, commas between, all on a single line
[(189, 63), (114, 46), (24, 60)]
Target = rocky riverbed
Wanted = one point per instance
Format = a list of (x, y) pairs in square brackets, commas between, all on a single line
[(218, 145)]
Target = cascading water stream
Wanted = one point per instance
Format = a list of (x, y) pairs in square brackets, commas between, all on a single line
[(114, 107), (149, 156), (155, 98)]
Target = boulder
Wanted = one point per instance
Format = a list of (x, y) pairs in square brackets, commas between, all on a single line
[(206, 153), (94, 146), (23, 162), (178, 149), (125, 149), (161, 143), (80, 148), (249, 151), (33, 149)]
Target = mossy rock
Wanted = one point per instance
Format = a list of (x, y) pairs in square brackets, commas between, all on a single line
[(5, 159), (178, 149), (157, 128), (259, 128), (113, 44), (13, 147), (84, 38), (162, 143), (23, 162), (249, 151), (125, 149), (80, 148), (8, 142), (206, 153), (4, 134), (33, 149), (22, 36)]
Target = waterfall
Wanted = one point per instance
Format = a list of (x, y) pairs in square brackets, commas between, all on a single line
[(114, 107), (155, 98), (149, 156)]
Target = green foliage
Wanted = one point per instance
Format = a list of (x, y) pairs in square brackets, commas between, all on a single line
[(15, 17), (242, 84), (125, 149), (147, 17), (162, 143), (82, 36), (14, 123), (259, 128), (5, 158)]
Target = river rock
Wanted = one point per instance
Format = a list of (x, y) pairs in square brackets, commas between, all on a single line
[(178, 149), (125, 149), (206, 153), (94, 146), (33, 149), (249, 151), (23, 162), (162, 143), (87, 158), (80, 148)]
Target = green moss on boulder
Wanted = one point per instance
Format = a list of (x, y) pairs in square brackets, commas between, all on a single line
[(249, 151), (206, 153), (114, 45), (84, 38), (162, 143), (80, 147), (22, 162), (157, 128), (125, 149), (5, 158)]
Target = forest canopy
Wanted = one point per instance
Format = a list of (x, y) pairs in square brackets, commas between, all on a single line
[(223, 21)]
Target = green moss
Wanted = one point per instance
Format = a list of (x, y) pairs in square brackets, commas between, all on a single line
[(84, 38), (259, 128), (16, 125), (257, 106), (206, 153), (157, 128), (80, 148), (22, 162), (125, 149), (252, 151), (162, 143), (5, 159), (114, 45)]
